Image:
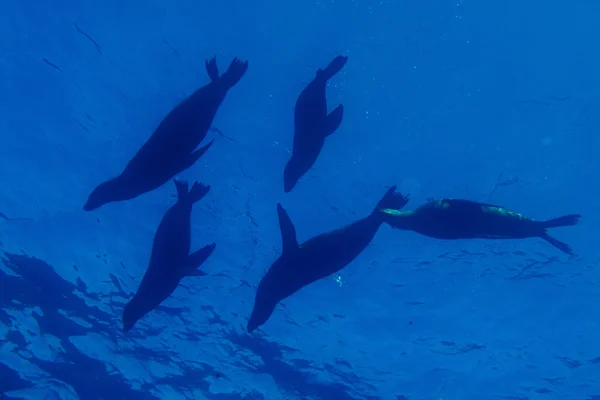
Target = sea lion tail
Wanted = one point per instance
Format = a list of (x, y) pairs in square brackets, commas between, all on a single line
[(234, 73), (334, 67), (391, 200), (197, 192), (566, 220)]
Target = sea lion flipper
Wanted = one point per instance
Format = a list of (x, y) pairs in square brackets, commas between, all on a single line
[(392, 200), (565, 248), (566, 220), (196, 259), (196, 154), (334, 120), (333, 68), (288, 231), (212, 69), (234, 73), (182, 188), (193, 272), (197, 192)]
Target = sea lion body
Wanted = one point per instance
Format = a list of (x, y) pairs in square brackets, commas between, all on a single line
[(302, 264), (170, 260), (172, 147), (465, 219), (312, 124)]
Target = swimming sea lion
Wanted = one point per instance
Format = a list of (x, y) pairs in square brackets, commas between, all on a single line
[(465, 219), (170, 260), (172, 147), (312, 124), (301, 264)]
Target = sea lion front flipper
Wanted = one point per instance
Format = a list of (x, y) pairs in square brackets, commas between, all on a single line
[(196, 259), (333, 120), (288, 231), (196, 154), (212, 69), (193, 272), (333, 68)]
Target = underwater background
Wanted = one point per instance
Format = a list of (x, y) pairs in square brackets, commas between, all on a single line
[(490, 101)]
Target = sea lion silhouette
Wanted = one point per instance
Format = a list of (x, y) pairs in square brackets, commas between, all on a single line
[(170, 260), (312, 124), (302, 264), (465, 219), (172, 147)]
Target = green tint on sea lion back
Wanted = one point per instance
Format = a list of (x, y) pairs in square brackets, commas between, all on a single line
[(397, 213), (441, 203), (505, 212)]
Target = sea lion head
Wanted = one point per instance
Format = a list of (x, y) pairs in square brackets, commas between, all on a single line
[(130, 317), (102, 194)]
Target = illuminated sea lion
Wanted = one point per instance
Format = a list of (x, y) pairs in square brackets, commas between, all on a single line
[(466, 219)]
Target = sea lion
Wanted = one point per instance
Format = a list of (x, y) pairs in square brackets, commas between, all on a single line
[(301, 264), (172, 147), (465, 219), (312, 124), (170, 260)]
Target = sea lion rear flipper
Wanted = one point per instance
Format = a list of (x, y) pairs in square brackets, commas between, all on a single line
[(392, 200), (566, 220), (182, 188), (234, 73), (558, 244), (333, 120), (212, 69), (196, 154), (288, 231), (196, 259), (197, 192)]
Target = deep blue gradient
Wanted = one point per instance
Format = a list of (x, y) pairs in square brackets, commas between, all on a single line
[(489, 101)]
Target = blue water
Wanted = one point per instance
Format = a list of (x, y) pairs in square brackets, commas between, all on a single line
[(490, 101)]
